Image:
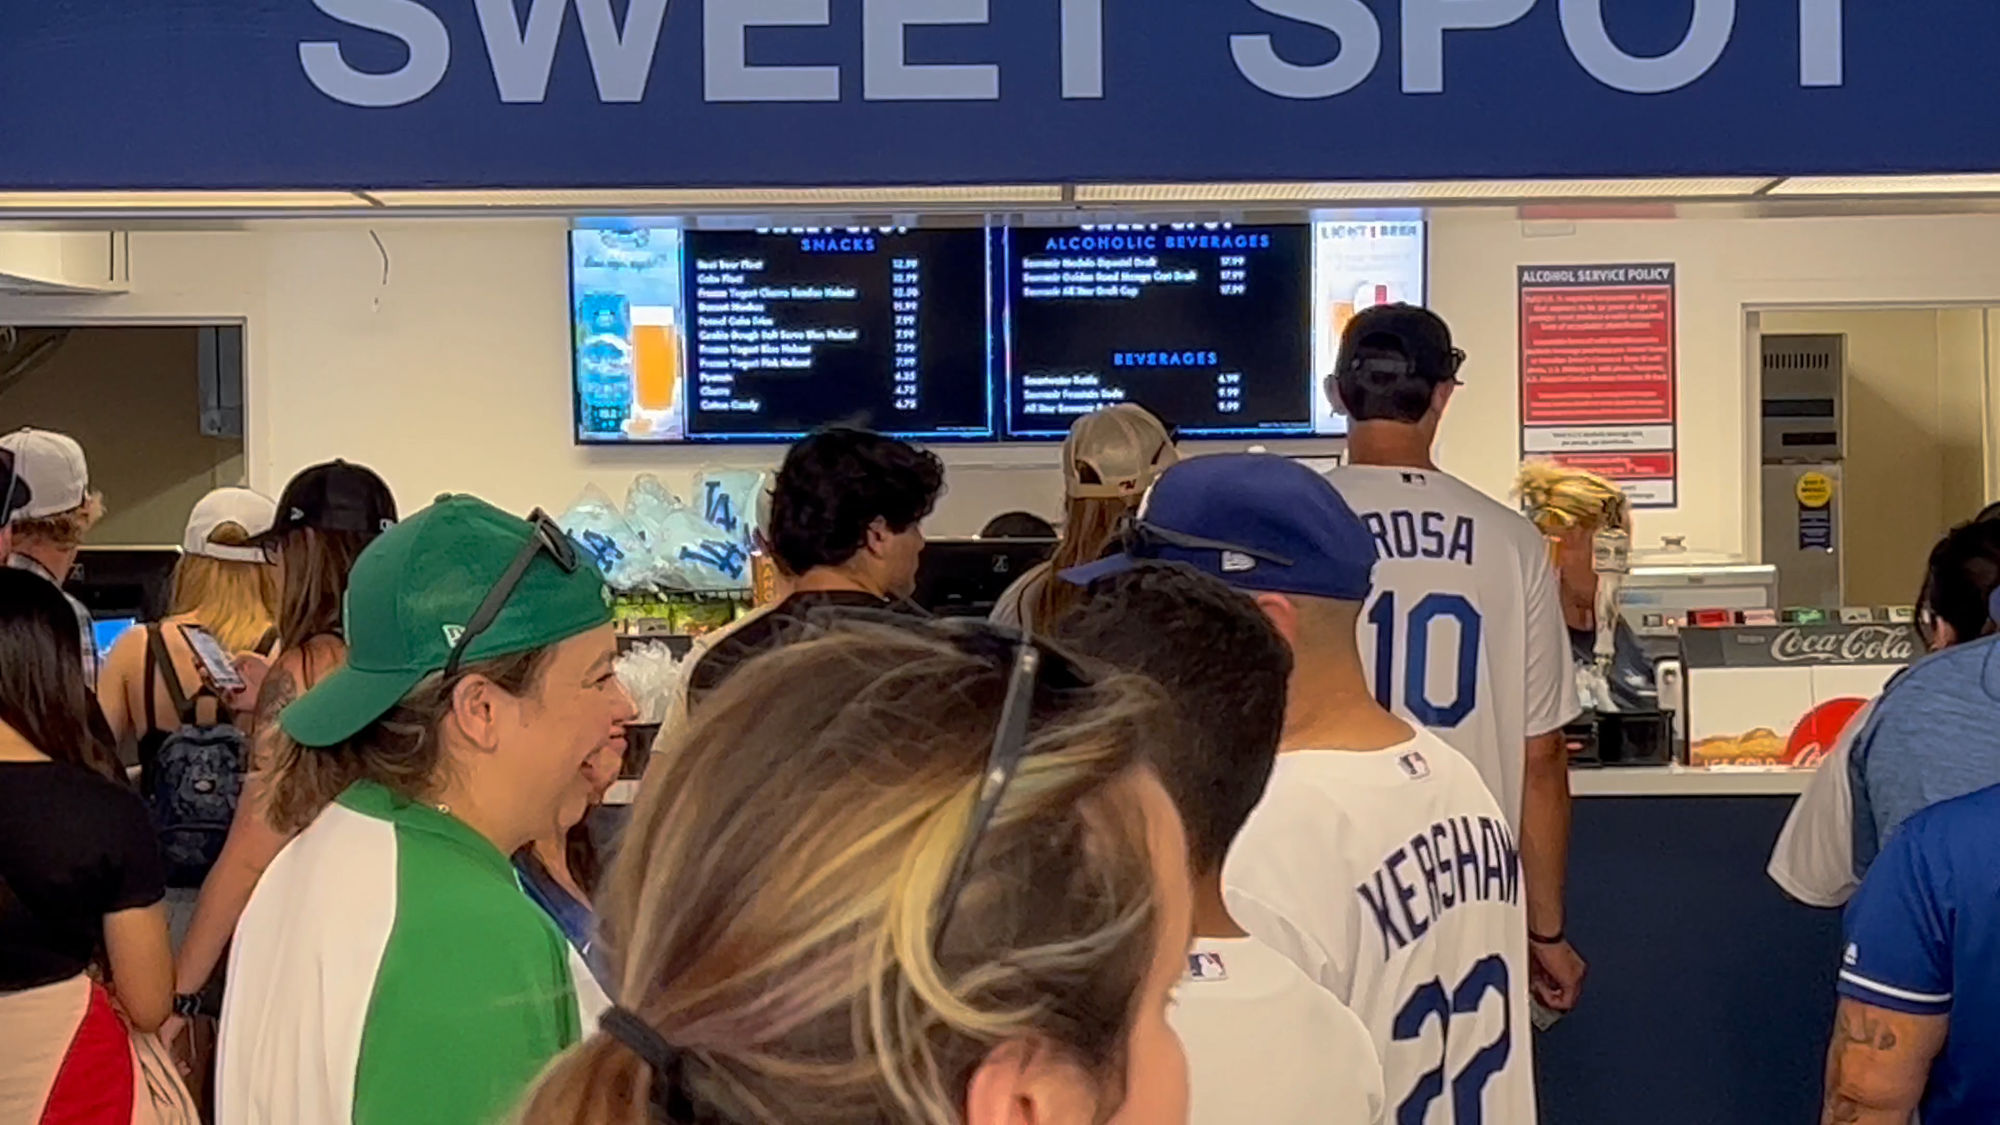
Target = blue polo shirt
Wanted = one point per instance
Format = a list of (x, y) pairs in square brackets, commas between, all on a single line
[(1923, 937), (1931, 737)]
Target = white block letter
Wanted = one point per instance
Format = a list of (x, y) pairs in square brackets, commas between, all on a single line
[(1590, 41), (727, 73), (621, 62), (1424, 25), (421, 32), (1082, 48), (1821, 50), (521, 58), (1360, 49), (888, 76)]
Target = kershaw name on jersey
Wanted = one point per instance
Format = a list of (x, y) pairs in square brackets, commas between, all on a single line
[(1464, 859)]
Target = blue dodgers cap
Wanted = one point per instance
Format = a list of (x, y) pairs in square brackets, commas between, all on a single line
[(1257, 521)]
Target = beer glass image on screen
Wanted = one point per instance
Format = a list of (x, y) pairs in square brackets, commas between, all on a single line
[(1207, 325), (1358, 264)]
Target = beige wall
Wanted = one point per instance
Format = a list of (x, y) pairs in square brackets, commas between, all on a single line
[(1915, 459), (129, 396), (454, 374)]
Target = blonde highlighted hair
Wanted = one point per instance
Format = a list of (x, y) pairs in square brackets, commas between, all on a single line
[(1560, 499), (64, 529), (772, 909), (235, 601)]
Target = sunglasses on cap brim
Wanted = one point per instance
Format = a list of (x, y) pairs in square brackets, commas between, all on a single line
[(548, 539), (1144, 540)]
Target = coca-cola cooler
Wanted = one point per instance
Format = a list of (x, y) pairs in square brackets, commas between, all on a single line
[(1779, 696)]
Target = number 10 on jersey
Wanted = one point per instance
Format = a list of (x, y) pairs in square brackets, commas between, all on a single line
[(1410, 679)]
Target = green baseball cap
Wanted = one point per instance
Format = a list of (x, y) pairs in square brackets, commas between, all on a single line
[(412, 593)]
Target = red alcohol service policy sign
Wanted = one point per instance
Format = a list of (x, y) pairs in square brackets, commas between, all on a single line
[(1598, 365)]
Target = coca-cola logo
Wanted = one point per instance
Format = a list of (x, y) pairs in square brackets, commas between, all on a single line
[(1868, 644)]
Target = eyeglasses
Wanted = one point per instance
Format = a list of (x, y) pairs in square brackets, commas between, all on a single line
[(548, 538)]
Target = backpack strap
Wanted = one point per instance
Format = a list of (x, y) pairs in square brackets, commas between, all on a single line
[(267, 642), (163, 666)]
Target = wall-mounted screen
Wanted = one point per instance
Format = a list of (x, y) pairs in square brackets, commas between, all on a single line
[(767, 335), (792, 330), (1226, 330), (1205, 324), (1358, 264)]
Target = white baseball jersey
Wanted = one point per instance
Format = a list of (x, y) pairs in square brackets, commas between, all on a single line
[(1267, 1044), (1392, 879), (1465, 632)]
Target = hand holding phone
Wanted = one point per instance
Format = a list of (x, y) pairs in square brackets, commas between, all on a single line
[(212, 661)]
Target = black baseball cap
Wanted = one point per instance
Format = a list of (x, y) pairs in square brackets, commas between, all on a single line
[(335, 496), (15, 495), (1394, 341)]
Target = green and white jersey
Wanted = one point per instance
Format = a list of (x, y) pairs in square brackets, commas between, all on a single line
[(389, 969)]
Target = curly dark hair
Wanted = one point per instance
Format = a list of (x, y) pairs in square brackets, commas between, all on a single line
[(835, 484), (1225, 667)]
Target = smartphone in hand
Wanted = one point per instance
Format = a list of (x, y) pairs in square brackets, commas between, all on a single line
[(212, 661)]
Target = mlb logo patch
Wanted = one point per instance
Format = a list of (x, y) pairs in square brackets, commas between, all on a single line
[(1414, 765), (1852, 956), (1419, 480), (1206, 967)]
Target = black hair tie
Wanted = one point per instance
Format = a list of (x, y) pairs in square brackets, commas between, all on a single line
[(666, 1060)]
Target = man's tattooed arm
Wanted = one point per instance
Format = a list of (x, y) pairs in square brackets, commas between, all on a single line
[(1877, 1064)]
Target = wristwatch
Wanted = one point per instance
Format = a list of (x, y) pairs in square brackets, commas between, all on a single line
[(187, 1005)]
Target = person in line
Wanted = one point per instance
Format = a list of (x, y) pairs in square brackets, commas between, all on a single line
[(560, 867), (49, 531), (1917, 1029), (479, 679), (1018, 525), (15, 496), (1928, 737), (1572, 508), (847, 515), (1265, 1043), (326, 516), (1465, 635), (1377, 862), (80, 879), (882, 902), (151, 686), (1111, 457), (221, 584)]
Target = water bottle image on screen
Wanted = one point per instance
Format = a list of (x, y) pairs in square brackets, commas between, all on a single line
[(604, 362)]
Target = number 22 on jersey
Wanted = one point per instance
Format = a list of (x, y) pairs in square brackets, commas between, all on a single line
[(1431, 1001), (1405, 684)]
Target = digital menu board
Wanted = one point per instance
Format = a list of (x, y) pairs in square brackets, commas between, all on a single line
[(1207, 325), (1004, 333), (767, 335)]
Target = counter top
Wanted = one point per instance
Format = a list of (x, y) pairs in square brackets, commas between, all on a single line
[(1677, 781)]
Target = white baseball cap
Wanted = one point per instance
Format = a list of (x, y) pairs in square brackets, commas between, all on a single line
[(252, 511), (53, 468)]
